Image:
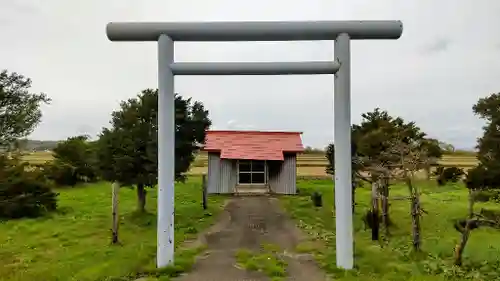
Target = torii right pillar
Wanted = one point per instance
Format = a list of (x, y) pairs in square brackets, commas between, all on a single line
[(342, 141)]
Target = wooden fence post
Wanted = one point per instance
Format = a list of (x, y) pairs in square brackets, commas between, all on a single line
[(204, 186), (115, 189)]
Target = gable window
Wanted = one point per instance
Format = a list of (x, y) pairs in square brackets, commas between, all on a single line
[(251, 171)]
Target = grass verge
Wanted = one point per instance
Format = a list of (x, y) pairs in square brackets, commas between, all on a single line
[(268, 261), (74, 244), (394, 260)]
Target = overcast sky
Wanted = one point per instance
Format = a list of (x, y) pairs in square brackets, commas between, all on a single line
[(447, 58)]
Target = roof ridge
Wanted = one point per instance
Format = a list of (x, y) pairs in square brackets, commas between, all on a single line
[(246, 144), (255, 131)]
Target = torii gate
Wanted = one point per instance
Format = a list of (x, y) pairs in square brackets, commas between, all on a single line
[(340, 31)]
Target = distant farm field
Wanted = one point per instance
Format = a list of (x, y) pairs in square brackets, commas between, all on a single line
[(307, 164), (37, 157)]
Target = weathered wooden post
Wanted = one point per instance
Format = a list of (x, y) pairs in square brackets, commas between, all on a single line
[(204, 187), (115, 189)]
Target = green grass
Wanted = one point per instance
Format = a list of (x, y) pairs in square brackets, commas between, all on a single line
[(74, 244), (268, 261), (395, 260)]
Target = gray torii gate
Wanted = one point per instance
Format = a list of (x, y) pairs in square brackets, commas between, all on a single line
[(340, 31)]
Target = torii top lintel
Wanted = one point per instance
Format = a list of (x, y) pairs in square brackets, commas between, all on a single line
[(253, 31)]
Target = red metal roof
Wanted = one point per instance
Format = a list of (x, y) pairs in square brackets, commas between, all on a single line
[(253, 145)]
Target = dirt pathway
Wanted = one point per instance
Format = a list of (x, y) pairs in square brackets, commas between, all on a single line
[(248, 223)]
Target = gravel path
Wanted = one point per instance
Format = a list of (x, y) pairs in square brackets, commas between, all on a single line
[(247, 223)]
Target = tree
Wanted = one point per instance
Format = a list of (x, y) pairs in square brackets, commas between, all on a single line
[(19, 108), (23, 192), (312, 150), (446, 147), (128, 153), (373, 158), (488, 145), (486, 176), (368, 140), (407, 151), (479, 179), (74, 161), (434, 152), (414, 156), (449, 174)]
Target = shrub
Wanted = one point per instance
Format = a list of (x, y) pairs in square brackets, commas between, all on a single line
[(61, 173), (450, 174), (487, 195), (317, 199), (439, 171), (23, 193), (74, 162), (440, 181)]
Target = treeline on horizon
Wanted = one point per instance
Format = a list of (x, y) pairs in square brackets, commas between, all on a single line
[(458, 152), (44, 145)]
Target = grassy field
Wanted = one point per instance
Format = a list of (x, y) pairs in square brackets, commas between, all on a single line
[(74, 244), (395, 261), (307, 164)]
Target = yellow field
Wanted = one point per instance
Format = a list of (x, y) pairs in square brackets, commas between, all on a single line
[(37, 157), (307, 164), (320, 160)]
